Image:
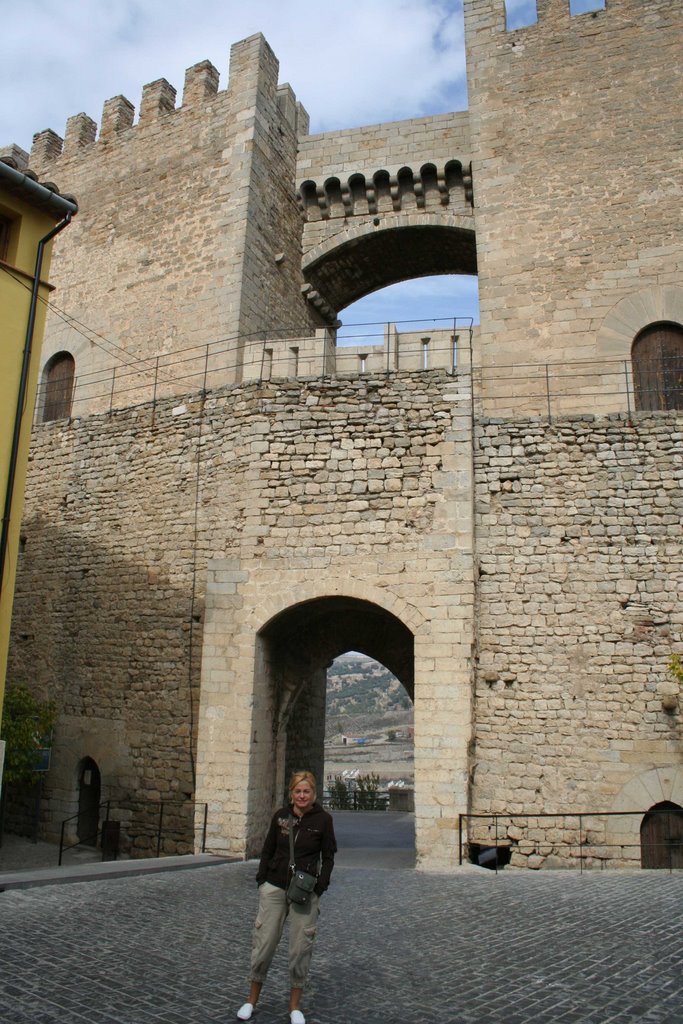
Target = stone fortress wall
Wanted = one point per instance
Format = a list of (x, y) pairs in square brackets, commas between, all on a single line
[(505, 541)]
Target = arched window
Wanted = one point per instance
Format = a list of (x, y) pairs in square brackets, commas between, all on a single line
[(59, 386), (657, 357)]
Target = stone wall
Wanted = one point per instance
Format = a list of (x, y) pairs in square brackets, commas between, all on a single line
[(363, 173), (580, 564), (356, 487), (348, 498)]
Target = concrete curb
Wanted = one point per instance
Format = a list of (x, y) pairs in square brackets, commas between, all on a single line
[(107, 869)]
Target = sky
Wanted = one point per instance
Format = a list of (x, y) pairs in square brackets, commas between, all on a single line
[(374, 62)]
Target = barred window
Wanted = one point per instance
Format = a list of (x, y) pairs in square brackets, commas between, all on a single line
[(657, 357)]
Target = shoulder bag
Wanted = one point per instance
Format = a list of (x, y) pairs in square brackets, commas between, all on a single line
[(302, 884)]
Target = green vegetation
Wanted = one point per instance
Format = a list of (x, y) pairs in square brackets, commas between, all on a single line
[(361, 794), (26, 722)]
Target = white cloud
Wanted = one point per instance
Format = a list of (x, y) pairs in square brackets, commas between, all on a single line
[(380, 62)]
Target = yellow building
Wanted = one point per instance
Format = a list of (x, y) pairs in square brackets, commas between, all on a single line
[(31, 215)]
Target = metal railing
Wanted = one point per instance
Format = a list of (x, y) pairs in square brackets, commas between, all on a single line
[(593, 838), (543, 389), (394, 799), (422, 344), (152, 823)]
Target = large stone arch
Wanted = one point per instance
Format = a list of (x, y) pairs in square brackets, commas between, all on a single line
[(634, 312), (330, 586), (294, 649), (360, 259)]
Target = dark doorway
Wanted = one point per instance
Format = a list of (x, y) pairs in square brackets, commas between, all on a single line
[(88, 802), (661, 837)]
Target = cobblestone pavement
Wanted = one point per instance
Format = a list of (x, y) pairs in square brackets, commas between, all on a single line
[(394, 946)]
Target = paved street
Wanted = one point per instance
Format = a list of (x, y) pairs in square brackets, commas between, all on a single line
[(394, 946)]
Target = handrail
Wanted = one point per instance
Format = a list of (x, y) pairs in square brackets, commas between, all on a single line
[(584, 843), (143, 829)]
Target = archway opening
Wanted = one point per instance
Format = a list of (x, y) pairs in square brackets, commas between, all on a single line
[(445, 304), (365, 263), (369, 758), (295, 650)]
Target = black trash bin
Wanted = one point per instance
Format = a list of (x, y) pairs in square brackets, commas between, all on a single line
[(111, 831)]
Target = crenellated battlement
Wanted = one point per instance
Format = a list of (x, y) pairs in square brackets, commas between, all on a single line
[(251, 60), (536, 17), (426, 186)]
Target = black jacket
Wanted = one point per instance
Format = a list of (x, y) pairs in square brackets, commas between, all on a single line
[(314, 848)]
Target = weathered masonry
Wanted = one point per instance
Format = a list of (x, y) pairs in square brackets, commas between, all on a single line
[(222, 500)]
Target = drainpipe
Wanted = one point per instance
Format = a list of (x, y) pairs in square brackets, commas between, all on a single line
[(51, 201)]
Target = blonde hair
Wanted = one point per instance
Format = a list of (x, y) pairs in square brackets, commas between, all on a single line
[(297, 777)]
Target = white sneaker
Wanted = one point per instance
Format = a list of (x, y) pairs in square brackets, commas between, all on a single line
[(297, 1017), (245, 1012)]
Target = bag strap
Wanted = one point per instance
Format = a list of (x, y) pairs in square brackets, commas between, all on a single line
[(292, 864)]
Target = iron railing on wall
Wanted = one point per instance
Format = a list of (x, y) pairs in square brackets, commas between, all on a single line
[(591, 839), (277, 355), (153, 821), (543, 389)]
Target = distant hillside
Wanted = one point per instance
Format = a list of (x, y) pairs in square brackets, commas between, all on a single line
[(364, 697)]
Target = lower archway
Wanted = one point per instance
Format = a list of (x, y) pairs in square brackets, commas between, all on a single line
[(294, 651)]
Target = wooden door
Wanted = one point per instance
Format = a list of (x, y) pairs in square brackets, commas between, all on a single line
[(661, 837)]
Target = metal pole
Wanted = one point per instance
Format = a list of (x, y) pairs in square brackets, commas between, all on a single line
[(495, 833), (206, 369), (161, 818), (22, 393), (547, 391), (61, 845), (460, 840), (454, 350), (206, 814), (628, 393), (111, 394), (154, 393)]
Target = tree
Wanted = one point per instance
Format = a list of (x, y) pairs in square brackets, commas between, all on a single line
[(340, 798), (676, 668), (369, 798), (26, 725), (26, 722)]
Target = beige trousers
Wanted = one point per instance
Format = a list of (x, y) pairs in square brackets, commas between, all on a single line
[(273, 911)]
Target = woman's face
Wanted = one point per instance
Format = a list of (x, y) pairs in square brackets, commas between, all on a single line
[(302, 796)]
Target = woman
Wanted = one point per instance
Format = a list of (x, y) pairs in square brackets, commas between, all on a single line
[(314, 850)]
